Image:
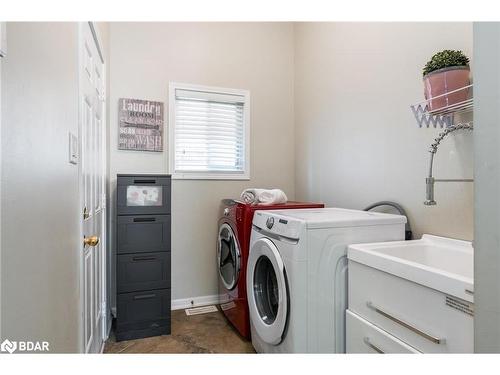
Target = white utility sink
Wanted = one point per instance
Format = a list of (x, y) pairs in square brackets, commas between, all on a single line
[(439, 263)]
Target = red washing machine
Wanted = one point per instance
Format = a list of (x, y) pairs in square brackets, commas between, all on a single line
[(235, 227)]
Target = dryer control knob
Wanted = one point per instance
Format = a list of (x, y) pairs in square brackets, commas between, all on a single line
[(226, 211), (270, 222)]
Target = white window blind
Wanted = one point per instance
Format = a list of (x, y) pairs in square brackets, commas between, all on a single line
[(209, 135)]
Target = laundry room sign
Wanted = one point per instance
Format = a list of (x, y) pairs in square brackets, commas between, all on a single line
[(141, 125)]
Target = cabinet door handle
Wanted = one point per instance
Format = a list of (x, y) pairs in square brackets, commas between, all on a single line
[(138, 259), (434, 339), (143, 219), (368, 343), (145, 296)]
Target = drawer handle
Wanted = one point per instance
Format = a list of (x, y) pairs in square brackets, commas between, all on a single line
[(435, 340), (143, 219), (138, 259), (368, 343), (145, 296), (145, 181)]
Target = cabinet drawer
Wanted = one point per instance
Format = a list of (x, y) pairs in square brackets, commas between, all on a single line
[(144, 233), (142, 333), (424, 318), (143, 271), (364, 337), (143, 310), (143, 195)]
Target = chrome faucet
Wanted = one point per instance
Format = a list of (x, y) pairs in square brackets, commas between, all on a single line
[(430, 180)]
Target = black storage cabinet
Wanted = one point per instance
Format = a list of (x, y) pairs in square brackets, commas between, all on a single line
[(143, 269)]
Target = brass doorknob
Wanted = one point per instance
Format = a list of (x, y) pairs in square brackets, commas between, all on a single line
[(91, 241)]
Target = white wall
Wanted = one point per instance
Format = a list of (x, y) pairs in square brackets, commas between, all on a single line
[(487, 182), (356, 139), (258, 57), (2, 30), (40, 214)]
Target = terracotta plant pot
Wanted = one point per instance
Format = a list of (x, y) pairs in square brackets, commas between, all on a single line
[(442, 81)]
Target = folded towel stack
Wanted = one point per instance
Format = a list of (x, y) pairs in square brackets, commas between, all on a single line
[(264, 196)]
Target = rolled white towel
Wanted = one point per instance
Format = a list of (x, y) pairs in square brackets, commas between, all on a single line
[(273, 196), (264, 196), (251, 196)]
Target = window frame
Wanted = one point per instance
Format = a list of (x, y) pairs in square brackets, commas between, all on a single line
[(207, 175)]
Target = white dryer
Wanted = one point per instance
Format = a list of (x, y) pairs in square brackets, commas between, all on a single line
[(297, 275)]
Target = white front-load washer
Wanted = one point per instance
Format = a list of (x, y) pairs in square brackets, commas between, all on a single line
[(297, 275)]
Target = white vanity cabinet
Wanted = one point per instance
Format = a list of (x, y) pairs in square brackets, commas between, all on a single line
[(391, 313)]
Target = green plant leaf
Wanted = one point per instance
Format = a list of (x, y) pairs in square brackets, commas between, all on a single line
[(445, 59)]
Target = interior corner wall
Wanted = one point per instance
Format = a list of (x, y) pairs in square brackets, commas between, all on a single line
[(144, 58), (40, 188), (487, 182), (357, 141)]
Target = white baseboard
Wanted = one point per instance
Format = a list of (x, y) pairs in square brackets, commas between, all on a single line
[(185, 303)]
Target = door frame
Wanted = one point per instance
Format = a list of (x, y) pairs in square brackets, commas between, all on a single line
[(105, 326)]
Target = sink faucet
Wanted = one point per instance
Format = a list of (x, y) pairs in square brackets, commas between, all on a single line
[(430, 180)]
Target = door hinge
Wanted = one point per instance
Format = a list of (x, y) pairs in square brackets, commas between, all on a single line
[(86, 214)]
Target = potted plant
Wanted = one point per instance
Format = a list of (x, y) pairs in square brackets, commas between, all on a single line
[(446, 71)]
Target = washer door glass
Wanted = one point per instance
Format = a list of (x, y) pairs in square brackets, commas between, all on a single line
[(228, 256), (267, 291)]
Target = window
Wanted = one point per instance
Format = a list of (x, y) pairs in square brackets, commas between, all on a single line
[(209, 132)]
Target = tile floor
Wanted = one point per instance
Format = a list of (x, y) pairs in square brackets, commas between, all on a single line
[(204, 333)]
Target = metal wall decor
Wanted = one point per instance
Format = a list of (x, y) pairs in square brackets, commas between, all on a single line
[(141, 125)]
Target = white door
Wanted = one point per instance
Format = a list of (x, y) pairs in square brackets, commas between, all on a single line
[(92, 188)]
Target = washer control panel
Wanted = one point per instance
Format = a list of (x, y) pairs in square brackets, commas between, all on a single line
[(277, 224)]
